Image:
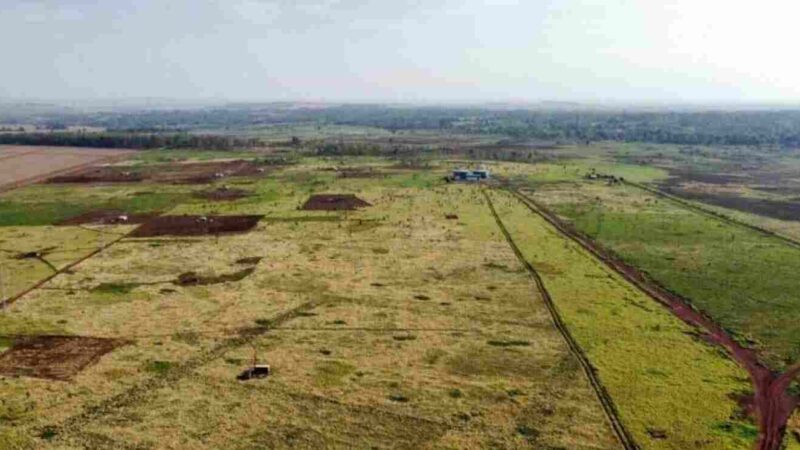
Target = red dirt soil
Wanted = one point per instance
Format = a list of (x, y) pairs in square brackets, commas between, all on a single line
[(334, 202), (108, 217), (196, 225), (772, 401), (54, 357)]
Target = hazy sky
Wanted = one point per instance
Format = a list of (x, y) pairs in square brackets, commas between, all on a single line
[(402, 50)]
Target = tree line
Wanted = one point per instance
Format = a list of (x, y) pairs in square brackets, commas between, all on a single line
[(130, 140)]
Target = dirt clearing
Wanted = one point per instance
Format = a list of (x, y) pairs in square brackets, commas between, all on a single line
[(21, 165), (196, 225), (54, 357), (334, 202)]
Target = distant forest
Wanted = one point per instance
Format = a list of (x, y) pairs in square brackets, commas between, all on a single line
[(129, 140), (152, 128)]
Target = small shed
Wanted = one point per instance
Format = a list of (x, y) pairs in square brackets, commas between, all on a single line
[(470, 175)]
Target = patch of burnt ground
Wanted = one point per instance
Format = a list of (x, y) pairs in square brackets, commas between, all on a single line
[(54, 357), (196, 225), (107, 217), (334, 202)]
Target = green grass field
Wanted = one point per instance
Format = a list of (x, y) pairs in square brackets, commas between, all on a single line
[(742, 278), (660, 376)]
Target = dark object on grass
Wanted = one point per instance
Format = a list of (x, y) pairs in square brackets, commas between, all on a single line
[(249, 261), (451, 216), (257, 371), (193, 279)]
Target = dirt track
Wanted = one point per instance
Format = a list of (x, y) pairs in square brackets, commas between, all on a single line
[(773, 403), (622, 434)]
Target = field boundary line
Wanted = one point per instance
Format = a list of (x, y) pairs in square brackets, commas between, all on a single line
[(693, 206), (143, 390), (607, 403), (770, 388), (13, 299)]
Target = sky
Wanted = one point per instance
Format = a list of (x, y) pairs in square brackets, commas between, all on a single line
[(671, 51)]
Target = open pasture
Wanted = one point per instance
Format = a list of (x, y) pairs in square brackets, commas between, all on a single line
[(390, 306)]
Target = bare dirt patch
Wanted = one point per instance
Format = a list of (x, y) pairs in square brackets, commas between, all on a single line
[(173, 173), (196, 225), (54, 357), (22, 165), (98, 175), (334, 202), (108, 217), (223, 194)]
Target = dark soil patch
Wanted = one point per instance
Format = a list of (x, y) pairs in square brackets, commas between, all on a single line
[(177, 173), (108, 217), (250, 260), (775, 209), (54, 357), (223, 194), (99, 175), (334, 202), (196, 225), (207, 172), (194, 279)]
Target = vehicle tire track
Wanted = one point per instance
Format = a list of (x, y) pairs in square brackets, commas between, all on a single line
[(773, 402), (609, 408)]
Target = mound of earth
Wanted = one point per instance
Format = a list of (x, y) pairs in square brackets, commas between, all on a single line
[(108, 217), (334, 202), (223, 194), (196, 225), (54, 357)]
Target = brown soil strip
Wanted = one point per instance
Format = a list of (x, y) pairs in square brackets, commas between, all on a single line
[(716, 215), (98, 175), (54, 357), (610, 409), (196, 225), (107, 217), (334, 202), (773, 403)]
